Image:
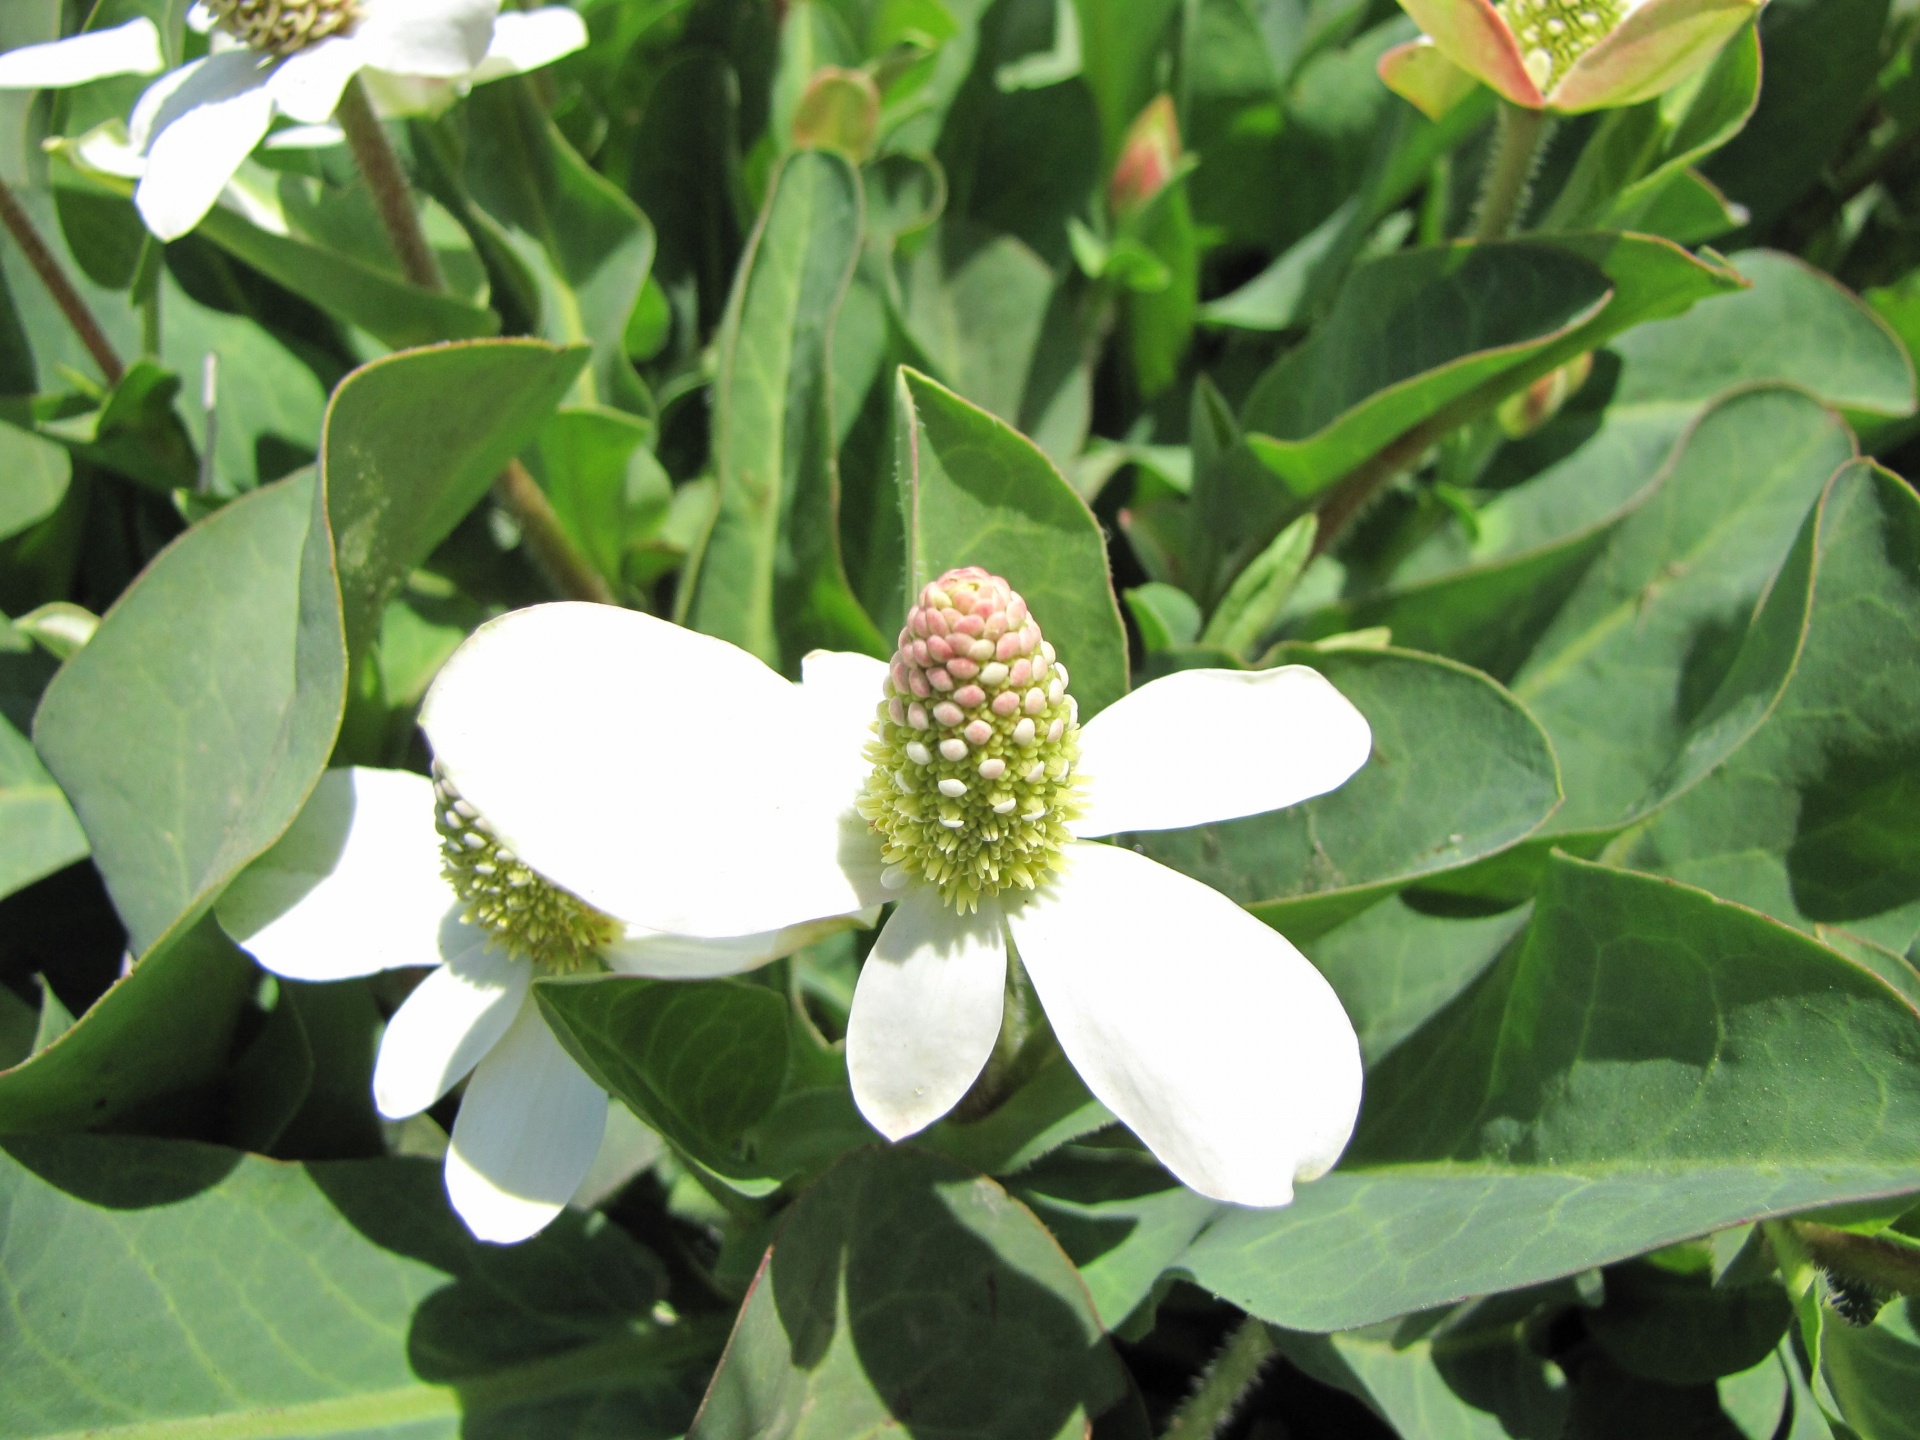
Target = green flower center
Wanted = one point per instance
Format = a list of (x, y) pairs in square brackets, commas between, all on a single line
[(1555, 33), (533, 918), (280, 27), (974, 747)]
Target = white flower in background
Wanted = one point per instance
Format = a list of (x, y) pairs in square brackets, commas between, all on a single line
[(380, 872), (674, 780), (196, 124)]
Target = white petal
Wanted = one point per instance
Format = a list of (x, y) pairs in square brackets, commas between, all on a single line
[(307, 137), (665, 777), (529, 1126), (105, 149), (426, 37), (201, 133), (147, 108), (528, 39), (396, 96), (926, 1011), (453, 1018), (1208, 1034), (1204, 745), (354, 886), (129, 49), (307, 86), (682, 957), (200, 19)]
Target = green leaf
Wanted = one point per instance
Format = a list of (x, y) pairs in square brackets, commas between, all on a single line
[(1639, 647), (700, 1061), (1822, 58), (586, 244), (770, 578), (37, 471), (1873, 1372), (1684, 1330), (162, 1030), (1813, 820), (1121, 1219), (975, 303), (365, 290), (38, 830), (1119, 45), (265, 418), (43, 353), (903, 1291), (1437, 335), (1793, 326), (186, 760), (609, 491), (976, 492), (1458, 772), (412, 442), (1648, 1064), (1253, 602), (1167, 617), (163, 1289)]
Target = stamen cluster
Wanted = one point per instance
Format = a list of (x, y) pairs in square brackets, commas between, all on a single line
[(975, 745), (1555, 33), (280, 27), (532, 917)]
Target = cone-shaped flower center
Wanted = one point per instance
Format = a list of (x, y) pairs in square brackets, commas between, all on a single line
[(498, 892), (280, 27), (1555, 33), (973, 762)]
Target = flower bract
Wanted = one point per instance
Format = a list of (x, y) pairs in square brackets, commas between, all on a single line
[(1562, 55), (381, 872), (674, 780), (194, 126)]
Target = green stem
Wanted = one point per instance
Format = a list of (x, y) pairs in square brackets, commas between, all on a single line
[(20, 225), (553, 551), (1226, 1385), (1518, 138), (387, 183)]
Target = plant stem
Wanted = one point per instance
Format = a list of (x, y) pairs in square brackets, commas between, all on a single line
[(1885, 1265), (79, 316), (1226, 1385), (387, 182), (1518, 137), (553, 551)]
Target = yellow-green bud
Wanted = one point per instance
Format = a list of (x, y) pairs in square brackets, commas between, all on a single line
[(1555, 33), (280, 27), (975, 746), (532, 917)]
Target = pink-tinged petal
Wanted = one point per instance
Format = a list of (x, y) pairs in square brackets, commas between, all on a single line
[(1472, 35), (1418, 73), (1652, 50), (1205, 1032), (926, 1011)]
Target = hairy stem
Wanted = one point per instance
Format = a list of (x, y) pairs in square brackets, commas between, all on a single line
[(553, 551), (79, 316), (387, 183), (1885, 1265), (1518, 137), (1226, 1385)]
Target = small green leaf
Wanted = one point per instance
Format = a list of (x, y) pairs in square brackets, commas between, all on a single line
[(1253, 602), (412, 442), (37, 471), (38, 830), (1649, 1064), (184, 761), (1167, 616), (903, 1291), (976, 492)]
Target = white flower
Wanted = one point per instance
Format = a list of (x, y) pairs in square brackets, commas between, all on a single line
[(358, 885), (675, 780), (195, 124)]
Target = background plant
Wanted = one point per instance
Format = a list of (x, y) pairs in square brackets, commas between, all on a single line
[(756, 308)]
